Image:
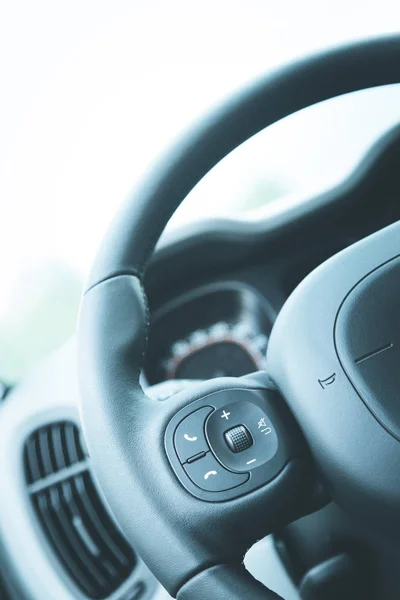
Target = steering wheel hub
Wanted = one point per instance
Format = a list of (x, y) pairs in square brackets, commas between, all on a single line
[(341, 380), (367, 337)]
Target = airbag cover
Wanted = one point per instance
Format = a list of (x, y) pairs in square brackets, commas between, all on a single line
[(367, 337)]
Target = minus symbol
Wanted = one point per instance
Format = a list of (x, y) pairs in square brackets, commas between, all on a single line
[(251, 461)]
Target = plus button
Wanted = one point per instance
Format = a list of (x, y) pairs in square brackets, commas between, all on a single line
[(225, 415)]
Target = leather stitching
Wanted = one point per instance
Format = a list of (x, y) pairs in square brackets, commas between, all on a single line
[(147, 325), (133, 272)]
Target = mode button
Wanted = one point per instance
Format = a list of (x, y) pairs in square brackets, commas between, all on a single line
[(238, 439)]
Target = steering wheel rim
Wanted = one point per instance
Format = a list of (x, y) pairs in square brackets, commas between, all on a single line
[(115, 411)]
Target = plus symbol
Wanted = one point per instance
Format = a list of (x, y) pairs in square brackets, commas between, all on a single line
[(225, 415)]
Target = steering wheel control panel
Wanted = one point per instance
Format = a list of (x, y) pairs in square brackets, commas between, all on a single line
[(227, 444)]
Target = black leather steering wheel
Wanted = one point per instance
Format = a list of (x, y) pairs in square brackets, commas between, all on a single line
[(195, 481)]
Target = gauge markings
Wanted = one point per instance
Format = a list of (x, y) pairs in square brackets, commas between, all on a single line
[(217, 351)]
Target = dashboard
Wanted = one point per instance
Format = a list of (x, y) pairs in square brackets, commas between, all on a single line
[(214, 291)]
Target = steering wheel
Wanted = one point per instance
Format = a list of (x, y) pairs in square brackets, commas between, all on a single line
[(196, 480)]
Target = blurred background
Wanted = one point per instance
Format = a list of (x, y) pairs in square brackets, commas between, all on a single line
[(93, 91)]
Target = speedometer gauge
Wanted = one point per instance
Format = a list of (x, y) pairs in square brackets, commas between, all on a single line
[(221, 350)]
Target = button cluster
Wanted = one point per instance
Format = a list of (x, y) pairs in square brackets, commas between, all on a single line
[(198, 461), (243, 441), (228, 443)]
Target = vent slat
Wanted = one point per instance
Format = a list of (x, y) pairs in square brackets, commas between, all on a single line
[(39, 455), (44, 451), (73, 516), (73, 540), (31, 462), (58, 451), (76, 520), (70, 444), (80, 449), (69, 559), (113, 545), (81, 528)]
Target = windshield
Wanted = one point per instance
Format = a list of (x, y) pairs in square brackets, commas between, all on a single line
[(91, 93)]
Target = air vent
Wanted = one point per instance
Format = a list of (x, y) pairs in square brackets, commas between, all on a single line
[(71, 512), (51, 449)]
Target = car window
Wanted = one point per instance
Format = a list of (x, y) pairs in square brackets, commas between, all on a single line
[(93, 91)]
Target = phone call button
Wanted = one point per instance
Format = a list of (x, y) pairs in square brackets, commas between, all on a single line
[(208, 474), (190, 437)]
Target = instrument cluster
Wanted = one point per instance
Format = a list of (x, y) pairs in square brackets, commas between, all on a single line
[(215, 331)]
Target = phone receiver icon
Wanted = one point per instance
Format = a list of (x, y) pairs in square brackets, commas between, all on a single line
[(207, 475), (189, 439)]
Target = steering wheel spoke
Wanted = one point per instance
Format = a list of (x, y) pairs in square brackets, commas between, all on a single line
[(225, 457)]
